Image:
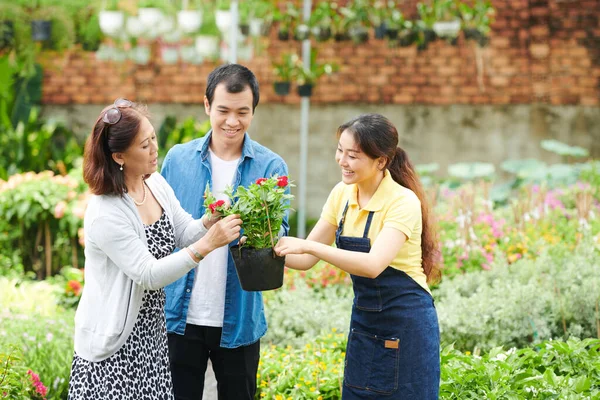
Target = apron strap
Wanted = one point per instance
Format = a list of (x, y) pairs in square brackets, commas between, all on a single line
[(341, 224), (368, 226)]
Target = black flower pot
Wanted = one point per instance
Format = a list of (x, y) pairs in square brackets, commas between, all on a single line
[(380, 32), (283, 35), (407, 39), (7, 34), (471, 33), (429, 35), (392, 33), (41, 31), (360, 36), (305, 90), (323, 34), (282, 88), (258, 269), (341, 37), (245, 29), (483, 40)]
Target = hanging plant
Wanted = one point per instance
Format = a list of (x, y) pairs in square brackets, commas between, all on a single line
[(476, 21)]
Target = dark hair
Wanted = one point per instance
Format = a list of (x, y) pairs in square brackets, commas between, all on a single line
[(378, 137), (100, 171), (236, 78)]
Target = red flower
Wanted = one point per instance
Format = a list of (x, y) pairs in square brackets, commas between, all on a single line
[(213, 206), (260, 181), (282, 181), (74, 287)]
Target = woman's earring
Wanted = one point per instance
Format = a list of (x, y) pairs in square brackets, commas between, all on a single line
[(121, 169)]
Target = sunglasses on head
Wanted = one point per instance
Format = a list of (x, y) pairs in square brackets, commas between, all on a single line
[(113, 114)]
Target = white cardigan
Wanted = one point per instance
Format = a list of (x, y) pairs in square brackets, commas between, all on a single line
[(119, 267)]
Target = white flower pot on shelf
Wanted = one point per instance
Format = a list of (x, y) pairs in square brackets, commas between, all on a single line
[(169, 54), (447, 28), (223, 20), (166, 25), (207, 46), (256, 26), (111, 22), (190, 55), (140, 54), (150, 17), (189, 20), (134, 27)]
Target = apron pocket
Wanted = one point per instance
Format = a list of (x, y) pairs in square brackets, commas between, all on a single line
[(367, 296), (372, 362)]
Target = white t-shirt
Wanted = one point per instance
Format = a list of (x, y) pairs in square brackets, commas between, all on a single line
[(207, 303)]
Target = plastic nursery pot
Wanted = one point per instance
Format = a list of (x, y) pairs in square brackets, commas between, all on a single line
[(258, 269), (304, 90), (380, 32), (282, 88), (41, 30)]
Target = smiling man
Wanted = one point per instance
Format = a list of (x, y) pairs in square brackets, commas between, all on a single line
[(208, 313)]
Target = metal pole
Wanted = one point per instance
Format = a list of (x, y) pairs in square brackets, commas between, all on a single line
[(233, 31), (304, 115)]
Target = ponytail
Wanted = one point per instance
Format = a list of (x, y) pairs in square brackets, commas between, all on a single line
[(403, 172)]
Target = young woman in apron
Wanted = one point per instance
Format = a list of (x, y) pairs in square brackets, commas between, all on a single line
[(379, 220)]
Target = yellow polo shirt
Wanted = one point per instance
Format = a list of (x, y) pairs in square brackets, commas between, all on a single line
[(396, 207)]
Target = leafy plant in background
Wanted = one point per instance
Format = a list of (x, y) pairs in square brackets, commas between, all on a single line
[(172, 133), (554, 296), (29, 203)]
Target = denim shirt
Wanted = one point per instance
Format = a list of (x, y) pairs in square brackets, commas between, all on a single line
[(187, 169)]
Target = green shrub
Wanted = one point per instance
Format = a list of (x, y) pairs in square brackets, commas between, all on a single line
[(32, 322), (298, 313), (553, 370), (554, 296)]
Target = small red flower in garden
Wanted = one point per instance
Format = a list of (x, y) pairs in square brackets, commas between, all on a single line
[(74, 287), (260, 181), (282, 181), (37, 384)]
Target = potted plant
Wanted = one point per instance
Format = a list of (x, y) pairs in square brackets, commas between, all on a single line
[(41, 24), (307, 77), (284, 72), (189, 18), (152, 12), (111, 19), (262, 207), (88, 32), (476, 21), (286, 20), (427, 17), (207, 41), (321, 20), (378, 16), (356, 15), (447, 24), (223, 15)]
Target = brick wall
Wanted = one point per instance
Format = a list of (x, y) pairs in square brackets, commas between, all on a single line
[(541, 51)]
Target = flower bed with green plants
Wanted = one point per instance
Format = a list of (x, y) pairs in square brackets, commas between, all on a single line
[(554, 369)]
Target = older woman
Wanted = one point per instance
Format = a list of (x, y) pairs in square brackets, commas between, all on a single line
[(132, 225)]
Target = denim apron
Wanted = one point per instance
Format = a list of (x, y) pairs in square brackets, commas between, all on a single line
[(394, 344)]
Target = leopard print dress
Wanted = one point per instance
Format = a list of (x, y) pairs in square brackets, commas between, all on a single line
[(140, 369)]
